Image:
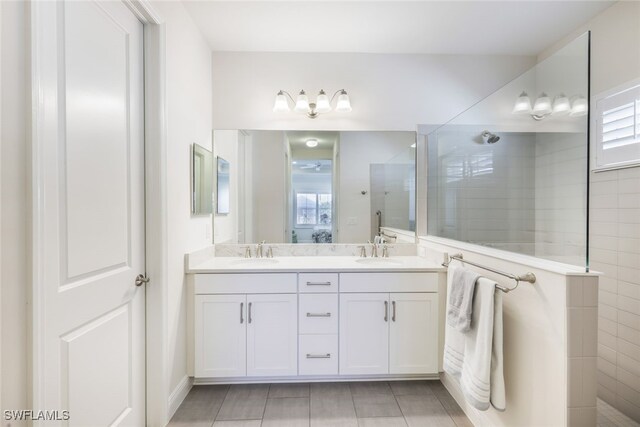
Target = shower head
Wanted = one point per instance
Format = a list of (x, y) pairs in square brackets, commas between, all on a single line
[(490, 138)]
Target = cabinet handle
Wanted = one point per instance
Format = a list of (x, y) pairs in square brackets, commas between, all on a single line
[(393, 313), (249, 312), (318, 314), (386, 311), (241, 312), (318, 283), (319, 356)]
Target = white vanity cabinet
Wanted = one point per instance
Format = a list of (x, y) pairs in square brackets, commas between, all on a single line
[(272, 335), (245, 334), (315, 325), (220, 332), (388, 323)]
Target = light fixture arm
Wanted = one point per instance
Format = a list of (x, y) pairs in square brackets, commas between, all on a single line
[(284, 92), (339, 91)]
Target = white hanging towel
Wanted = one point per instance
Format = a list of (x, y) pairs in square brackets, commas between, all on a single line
[(474, 358)]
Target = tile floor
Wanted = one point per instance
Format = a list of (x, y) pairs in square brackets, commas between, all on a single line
[(608, 416), (364, 404)]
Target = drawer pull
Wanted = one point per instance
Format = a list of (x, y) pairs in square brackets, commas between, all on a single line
[(318, 314), (318, 283), (241, 312), (319, 356)]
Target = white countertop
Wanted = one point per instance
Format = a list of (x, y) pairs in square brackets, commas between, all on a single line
[(315, 264)]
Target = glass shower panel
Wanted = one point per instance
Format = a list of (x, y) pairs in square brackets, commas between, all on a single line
[(513, 180)]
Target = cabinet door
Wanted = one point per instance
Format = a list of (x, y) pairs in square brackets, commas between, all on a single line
[(272, 335), (413, 335), (220, 336), (364, 334)]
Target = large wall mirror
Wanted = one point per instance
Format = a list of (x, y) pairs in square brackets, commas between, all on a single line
[(201, 180), (317, 186)]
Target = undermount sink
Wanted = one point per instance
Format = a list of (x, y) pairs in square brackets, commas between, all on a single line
[(379, 261), (254, 261)]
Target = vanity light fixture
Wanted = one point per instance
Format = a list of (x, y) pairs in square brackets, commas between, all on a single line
[(543, 107), (312, 109)]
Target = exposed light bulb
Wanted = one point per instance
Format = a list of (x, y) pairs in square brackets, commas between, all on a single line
[(311, 143)]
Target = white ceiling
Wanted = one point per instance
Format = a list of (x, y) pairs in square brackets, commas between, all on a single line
[(516, 27)]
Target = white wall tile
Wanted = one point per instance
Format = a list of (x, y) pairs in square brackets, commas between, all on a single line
[(582, 417), (589, 381), (574, 332), (574, 386), (590, 291), (575, 286)]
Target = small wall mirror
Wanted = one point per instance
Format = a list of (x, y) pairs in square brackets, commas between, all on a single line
[(223, 205), (201, 180)]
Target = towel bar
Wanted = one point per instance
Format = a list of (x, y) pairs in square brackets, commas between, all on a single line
[(527, 277)]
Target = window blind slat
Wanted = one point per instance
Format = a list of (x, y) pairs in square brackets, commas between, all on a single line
[(624, 111), (618, 124)]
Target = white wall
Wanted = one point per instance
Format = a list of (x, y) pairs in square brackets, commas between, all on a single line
[(15, 171), (225, 145), (614, 212), (388, 92), (189, 113)]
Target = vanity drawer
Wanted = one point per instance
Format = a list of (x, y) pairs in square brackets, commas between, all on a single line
[(318, 313), (389, 282), (318, 355), (265, 283), (318, 282)]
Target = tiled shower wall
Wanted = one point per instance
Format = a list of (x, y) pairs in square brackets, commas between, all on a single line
[(560, 191), (615, 251)]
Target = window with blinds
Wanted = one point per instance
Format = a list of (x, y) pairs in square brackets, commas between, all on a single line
[(618, 127)]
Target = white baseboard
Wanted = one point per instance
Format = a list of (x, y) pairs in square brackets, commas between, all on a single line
[(178, 394)]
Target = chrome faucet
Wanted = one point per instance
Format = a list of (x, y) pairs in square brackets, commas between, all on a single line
[(385, 250), (363, 251), (374, 249), (270, 252), (259, 249), (247, 252)]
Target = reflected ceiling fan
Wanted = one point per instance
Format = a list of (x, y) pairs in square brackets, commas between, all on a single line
[(317, 166)]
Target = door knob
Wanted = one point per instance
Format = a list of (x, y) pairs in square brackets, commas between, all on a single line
[(141, 279)]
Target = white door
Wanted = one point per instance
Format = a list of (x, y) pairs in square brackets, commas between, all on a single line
[(89, 354), (364, 334), (220, 336), (272, 335), (413, 335)]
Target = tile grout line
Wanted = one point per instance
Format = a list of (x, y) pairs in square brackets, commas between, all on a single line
[(223, 399)]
